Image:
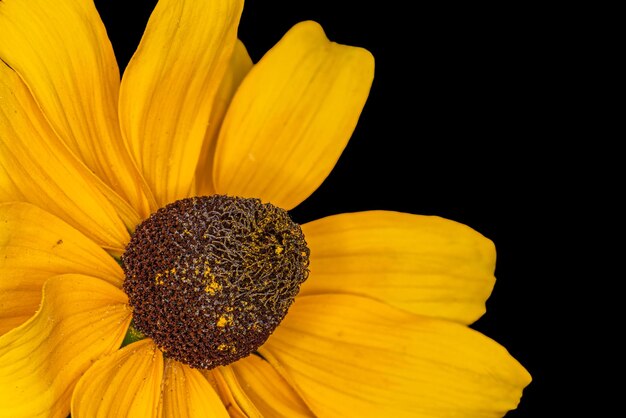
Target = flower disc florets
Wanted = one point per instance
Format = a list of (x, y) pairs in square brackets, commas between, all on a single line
[(210, 278)]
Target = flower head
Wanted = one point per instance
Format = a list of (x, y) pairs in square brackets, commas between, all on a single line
[(149, 263)]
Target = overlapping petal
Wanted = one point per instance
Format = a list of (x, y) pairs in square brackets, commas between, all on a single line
[(216, 378), (81, 319), (240, 65), (38, 168), (353, 356), (126, 383), (291, 117), (423, 264), (61, 51), (261, 391), (35, 246), (187, 394), (169, 86)]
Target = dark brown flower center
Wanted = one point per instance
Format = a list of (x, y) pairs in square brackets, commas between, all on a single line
[(210, 278)]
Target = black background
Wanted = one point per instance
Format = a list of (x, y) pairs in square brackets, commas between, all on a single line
[(452, 127)]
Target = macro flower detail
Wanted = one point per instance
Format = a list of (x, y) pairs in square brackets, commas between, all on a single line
[(210, 278), (149, 265)]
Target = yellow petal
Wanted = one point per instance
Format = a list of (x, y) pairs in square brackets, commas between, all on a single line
[(258, 385), (61, 51), (217, 380), (169, 86), (240, 65), (353, 356), (423, 264), (81, 319), (187, 394), (126, 383), (34, 246), (292, 117), (38, 168), (245, 406)]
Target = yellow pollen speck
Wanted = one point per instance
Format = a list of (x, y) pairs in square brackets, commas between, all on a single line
[(279, 250), (211, 285), (224, 320), (213, 288), (224, 347), (158, 279)]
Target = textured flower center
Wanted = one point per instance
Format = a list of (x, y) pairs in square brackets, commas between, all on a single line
[(210, 278)]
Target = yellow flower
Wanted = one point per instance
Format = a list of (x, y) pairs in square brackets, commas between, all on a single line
[(91, 167)]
